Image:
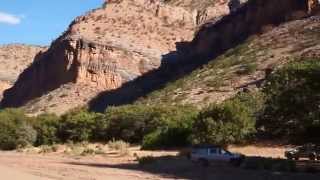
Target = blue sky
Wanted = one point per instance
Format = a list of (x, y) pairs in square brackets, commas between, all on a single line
[(39, 22)]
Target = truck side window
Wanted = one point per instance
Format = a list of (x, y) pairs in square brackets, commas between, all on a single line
[(213, 151)]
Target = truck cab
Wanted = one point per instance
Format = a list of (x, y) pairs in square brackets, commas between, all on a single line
[(206, 154)]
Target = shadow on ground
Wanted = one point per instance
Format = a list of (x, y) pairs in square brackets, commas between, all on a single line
[(176, 167)]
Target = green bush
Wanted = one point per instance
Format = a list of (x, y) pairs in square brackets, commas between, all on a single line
[(167, 138), (132, 122), (292, 102), (46, 126), (152, 140), (77, 126), (15, 129), (253, 101), (176, 130), (230, 122)]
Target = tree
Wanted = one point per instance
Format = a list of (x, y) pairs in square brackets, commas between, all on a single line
[(15, 129), (293, 101), (230, 122), (46, 126), (77, 125)]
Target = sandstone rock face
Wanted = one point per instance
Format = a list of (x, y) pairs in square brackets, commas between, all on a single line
[(3, 86), (109, 46), (106, 67), (249, 19), (14, 58)]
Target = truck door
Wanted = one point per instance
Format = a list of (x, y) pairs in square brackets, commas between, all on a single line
[(213, 152)]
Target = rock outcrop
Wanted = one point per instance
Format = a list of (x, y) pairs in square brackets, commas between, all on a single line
[(249, 19), (14, 58), (213, 39), (110, 46), (244, 67)]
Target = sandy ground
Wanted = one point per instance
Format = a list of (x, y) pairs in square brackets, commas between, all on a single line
[(12, 174), (59, 166)]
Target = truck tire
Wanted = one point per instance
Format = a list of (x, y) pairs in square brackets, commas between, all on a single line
[(237, 161), (312, 157), (204, 162), (290, 157)]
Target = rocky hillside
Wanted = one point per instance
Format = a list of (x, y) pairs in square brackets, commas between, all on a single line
[(105, 48), (244, 67), (14, 59), (226, 56), (128, 49)]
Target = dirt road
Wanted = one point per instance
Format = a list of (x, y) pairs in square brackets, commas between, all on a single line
[(60, 167), (57, 166), (13, 174)]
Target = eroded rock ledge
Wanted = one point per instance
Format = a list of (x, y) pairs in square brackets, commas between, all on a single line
[(79, 61)]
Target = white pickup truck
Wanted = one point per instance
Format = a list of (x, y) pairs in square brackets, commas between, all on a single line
[(205, 154)]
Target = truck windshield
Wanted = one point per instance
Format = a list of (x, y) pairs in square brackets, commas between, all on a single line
[(225, 152)]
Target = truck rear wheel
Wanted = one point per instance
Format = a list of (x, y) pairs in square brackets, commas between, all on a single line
[(312, 157), (204, 162)]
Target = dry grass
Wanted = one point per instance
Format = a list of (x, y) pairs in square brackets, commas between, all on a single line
[(120, 146)]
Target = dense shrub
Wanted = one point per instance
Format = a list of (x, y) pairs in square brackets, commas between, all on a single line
[(46, 126), (167, 138), (230, 122), (177, 135), (78, 125), (132, 122), (15, 129), (175, 131), (253, 101), (293, 101)]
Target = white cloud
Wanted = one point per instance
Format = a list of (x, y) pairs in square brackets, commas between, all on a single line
[(9, 18)]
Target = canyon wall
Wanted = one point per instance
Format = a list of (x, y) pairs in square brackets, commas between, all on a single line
[(80, 62), (110, 46), (251, 18), (124, 40), (14, 58)]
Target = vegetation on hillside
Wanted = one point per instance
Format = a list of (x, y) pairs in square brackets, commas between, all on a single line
[(287, 107), (292, 107), (212, 77)]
